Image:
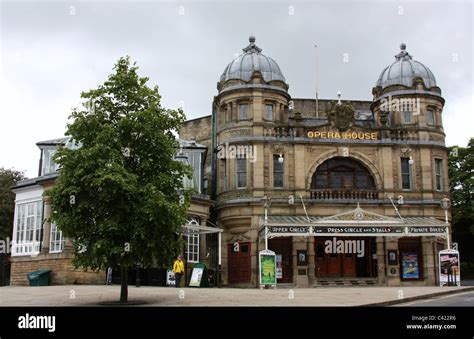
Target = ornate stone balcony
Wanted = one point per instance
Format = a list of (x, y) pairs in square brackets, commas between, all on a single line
[(343, 194)]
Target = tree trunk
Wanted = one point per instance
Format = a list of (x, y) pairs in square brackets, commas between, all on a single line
[(123, 284)]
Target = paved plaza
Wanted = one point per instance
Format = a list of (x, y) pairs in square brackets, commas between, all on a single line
[(93, 295)]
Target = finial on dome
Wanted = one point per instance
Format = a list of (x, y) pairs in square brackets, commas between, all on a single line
[(403, 55), (252, 48)]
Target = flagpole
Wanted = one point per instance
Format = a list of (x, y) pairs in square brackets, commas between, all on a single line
[(317, 85)]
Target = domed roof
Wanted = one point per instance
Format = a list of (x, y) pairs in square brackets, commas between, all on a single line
[(250, 61), (404, 70)]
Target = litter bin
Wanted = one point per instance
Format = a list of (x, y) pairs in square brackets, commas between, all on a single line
[(39, 278)]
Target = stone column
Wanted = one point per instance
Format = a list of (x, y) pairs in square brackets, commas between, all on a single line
[(381, 268), (429, 261), (393, 279), (46, 227), (311, 262)]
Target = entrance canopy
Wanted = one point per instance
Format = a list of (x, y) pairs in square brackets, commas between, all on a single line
[(193, 227), (357, 222)]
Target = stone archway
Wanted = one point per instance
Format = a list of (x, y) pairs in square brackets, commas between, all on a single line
[(353, 155)]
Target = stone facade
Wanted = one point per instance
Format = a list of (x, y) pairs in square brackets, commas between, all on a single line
[(288, 133)]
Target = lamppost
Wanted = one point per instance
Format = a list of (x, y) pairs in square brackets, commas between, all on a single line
[(445, 204), (266, 203)]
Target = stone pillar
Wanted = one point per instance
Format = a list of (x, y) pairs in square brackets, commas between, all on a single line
[(301, 280), (276, 113), (429, 261), (257, 107), (228, 112), (46, 227), (381, 268), (393, 279), (311, 262)]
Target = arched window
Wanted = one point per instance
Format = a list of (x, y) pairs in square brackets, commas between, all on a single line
[(342, 173)]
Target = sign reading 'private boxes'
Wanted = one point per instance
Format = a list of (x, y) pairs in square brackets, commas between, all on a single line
[(342, 135)]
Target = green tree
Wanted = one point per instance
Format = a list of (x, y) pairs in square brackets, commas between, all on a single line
[(8, 178), (120, 192), (461, 175)]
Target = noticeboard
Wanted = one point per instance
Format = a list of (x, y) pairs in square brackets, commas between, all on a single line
[(199, 276), (170, 278), (449, 268), (267, 261)]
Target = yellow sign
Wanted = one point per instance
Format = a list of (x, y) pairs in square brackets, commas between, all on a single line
[(342, 135)]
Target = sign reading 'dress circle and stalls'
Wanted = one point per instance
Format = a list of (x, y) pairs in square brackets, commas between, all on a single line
[(342, 135)]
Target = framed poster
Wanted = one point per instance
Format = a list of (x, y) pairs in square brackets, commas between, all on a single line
[(302, 258), (410, 267), (267, 261), (449, 268), (392, 257), (279, 268)]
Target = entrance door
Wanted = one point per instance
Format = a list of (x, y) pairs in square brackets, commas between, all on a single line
[(283, 247), (239, 263), (329, 263)]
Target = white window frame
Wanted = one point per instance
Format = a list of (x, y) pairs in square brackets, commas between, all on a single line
[(27, 239), (195, 181), (48, 165), (56, 241), (192, 239)]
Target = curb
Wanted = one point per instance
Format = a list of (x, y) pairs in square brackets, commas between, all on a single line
[(419, 297)]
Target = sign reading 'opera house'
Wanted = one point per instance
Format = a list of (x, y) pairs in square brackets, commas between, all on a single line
[(342, 135)]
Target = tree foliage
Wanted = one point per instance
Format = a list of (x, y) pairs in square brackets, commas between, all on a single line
[(461, 174), (118, 192), (8, 178)]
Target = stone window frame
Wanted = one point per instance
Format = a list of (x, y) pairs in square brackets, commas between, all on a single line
[(277, 155), (411, 171), (440, 160), (273, 105), (404, 120), (242, 103), (433, 111), (237, 173)]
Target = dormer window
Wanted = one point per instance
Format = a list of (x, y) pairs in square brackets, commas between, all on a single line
[(48, 165)]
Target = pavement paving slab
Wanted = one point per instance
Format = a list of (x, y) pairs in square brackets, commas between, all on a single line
[(96, 295)]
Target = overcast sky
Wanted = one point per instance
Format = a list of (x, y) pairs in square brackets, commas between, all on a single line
[(52, 50)]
